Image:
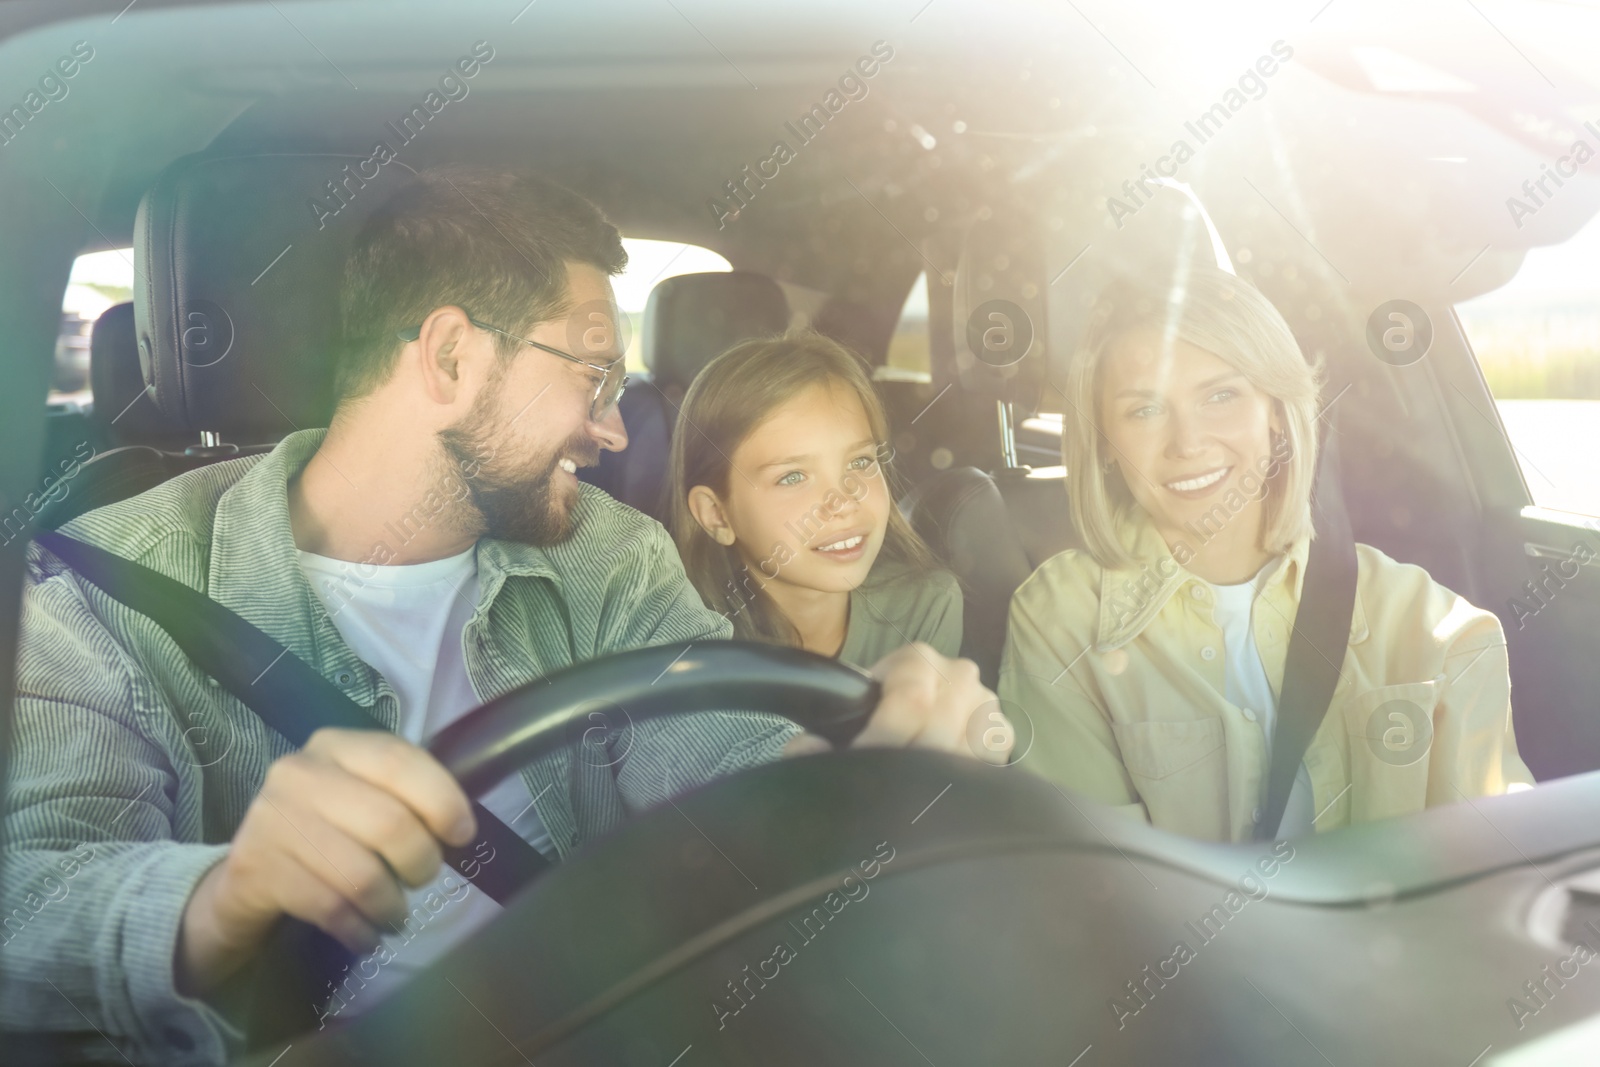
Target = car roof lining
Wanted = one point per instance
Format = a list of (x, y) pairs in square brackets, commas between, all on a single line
[(606, 97)]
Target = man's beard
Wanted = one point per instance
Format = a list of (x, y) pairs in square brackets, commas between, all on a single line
[(514, 498)]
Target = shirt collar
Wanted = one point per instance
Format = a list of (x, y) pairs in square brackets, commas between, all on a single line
[(499, 560), (1132, 596), (254, 570)]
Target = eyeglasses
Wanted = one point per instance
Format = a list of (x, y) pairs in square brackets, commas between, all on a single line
[(606, 394)]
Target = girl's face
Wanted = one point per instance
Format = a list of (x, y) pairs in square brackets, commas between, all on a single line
[(806, 502), (1185, 429)]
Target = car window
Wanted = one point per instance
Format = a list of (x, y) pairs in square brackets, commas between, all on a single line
[(908, 348), (101, 279), (649, 262), (1537, 339), (98, 281)]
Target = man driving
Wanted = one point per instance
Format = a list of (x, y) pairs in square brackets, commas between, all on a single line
[(428, 552)]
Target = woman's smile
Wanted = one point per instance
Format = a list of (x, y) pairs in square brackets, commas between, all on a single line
[(1199, 486)]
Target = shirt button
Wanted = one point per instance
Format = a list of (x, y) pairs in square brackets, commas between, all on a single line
[(1197, 591), (1255, 816), (1208, 653), (1250, 716), (344, 678)]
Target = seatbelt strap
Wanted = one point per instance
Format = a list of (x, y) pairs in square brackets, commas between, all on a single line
[(1320, 636), (286, 693)]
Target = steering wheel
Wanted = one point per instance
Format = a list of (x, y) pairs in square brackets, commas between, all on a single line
[(485, 745), (821, 694)]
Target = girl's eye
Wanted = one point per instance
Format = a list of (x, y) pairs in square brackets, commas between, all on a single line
[(861, 463), (1144, 411), (792, 478), (1223, 395)]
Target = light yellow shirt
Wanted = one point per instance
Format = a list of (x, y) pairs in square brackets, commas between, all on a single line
[(1121, 675)]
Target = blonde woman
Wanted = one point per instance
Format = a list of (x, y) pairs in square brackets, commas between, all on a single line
[(1151, 660)]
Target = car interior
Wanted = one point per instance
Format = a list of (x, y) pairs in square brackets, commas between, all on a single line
[(1006, 153)]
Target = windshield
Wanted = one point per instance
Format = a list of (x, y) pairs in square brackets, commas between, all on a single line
[(1154, 445)]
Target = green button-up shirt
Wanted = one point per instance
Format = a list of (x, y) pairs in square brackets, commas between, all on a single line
[(131, 769)]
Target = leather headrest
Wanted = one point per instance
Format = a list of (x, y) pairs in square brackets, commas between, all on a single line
[(1001, 312), (693, 318), (864, 330), (1023, 292), (237, 263), (122, 407)]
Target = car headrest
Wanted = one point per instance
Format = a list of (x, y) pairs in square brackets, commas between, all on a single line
[(123, 409), (237, 262), (1023, 292), (693, 318), (1000, 312), (864, 330)]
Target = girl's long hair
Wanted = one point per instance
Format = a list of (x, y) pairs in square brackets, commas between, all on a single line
[(733, 395)]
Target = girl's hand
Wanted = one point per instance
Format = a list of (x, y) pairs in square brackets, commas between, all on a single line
[(929, 701)]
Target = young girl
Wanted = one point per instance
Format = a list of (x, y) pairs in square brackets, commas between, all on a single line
[(1151, 660), (782, 514)]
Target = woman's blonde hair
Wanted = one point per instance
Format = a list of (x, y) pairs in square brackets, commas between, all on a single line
[(728, 399), (1210, 309)]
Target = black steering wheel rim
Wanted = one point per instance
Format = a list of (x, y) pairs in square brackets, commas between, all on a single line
[(820, 694)]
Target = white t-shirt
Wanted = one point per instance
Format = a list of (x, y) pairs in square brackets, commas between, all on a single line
[(406, 623), (1245, 686)]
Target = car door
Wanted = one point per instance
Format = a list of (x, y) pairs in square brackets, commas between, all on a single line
[(1527, 409)]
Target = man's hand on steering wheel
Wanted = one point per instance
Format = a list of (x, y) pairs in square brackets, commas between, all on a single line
[(336, 829), (929, 701)]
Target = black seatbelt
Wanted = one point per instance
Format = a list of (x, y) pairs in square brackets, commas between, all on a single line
[(277, 685), (295, 700), (1320, 636)]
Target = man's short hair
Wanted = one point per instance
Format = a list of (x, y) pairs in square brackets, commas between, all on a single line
[(492, 242)]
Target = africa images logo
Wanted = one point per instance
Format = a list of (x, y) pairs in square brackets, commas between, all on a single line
[(1251, 85), (852, 86), (743, 988), (53, 87), (1250, 887), (19, 520), (452, 87)]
